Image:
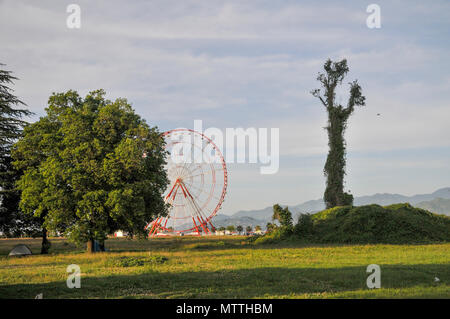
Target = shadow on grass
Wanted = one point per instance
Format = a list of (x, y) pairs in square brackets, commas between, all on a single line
[(270, 282), (207, 244)]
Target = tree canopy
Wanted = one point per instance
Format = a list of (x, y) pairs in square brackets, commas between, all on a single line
[(283, 215), (91, 167)]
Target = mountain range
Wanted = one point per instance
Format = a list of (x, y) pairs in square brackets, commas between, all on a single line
[(437, 202), (437, 205)]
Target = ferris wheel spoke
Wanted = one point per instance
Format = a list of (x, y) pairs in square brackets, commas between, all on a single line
[(203, 191), (199, 188), (205, 173), (186, 168), (187, 164), (201, 154), (192, 171), (176, 209), (185, 171), (173, 170), (178, 169), (197, 212), (193, 211)]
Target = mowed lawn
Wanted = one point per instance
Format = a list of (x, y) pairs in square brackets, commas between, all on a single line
[(225, 267)]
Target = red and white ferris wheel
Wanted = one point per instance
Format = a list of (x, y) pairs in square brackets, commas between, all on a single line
[(198, 182)]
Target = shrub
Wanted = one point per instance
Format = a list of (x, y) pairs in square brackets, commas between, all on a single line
[(304, 226), (253, 238), (276, 235)]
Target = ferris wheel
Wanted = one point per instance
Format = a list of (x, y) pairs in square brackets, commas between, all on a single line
[(198, 182)]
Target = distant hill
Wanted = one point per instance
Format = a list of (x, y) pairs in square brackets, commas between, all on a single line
[(437, 205), (387, 199), (368, 224), (264, 215), (244, 221), (257, 213)]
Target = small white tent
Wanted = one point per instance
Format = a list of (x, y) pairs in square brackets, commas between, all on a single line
[(20, 250)]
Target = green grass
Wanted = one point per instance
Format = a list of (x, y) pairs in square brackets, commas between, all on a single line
[(225, 267)]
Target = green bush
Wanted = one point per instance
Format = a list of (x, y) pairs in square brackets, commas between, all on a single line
[(253, 238), (276, 235), (304, 226)]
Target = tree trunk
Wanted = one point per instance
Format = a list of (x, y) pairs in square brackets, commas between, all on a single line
[(90, 246), (102, 245), (45, 242), (335, 164)]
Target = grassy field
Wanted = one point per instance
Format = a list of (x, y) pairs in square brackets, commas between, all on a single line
[(225, 267)]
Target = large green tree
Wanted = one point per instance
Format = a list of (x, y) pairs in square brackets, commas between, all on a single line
[(12, 222), (91, 167), (337, 123)]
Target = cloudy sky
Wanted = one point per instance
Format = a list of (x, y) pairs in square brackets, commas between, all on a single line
[(252, 64)]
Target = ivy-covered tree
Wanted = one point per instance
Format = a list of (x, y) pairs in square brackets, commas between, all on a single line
[(337, 123), (92, 167), (12, 222)]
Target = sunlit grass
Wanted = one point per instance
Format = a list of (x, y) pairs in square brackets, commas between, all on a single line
[(226, 267)]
